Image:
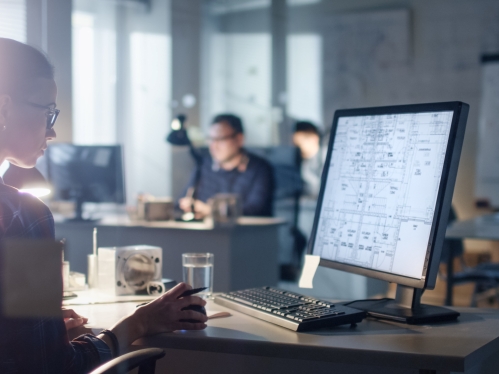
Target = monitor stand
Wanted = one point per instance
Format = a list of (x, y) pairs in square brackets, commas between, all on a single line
[(406, 307), (78, 217)]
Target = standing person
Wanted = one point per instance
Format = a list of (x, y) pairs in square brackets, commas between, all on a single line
[(231, 169), (27, 345)]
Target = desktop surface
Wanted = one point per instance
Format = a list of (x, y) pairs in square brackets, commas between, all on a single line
[(123, 220), (484, 227), (449, 347)]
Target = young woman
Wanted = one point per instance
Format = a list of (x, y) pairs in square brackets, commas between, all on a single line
[(27, 117)]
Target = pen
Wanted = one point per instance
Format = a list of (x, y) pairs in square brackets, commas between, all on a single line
[(192, 292), (184, 294)]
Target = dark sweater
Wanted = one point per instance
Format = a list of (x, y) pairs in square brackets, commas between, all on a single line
[(255, 185)]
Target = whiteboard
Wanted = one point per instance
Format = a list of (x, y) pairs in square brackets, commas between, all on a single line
[(361, 52), (487, 168), (363, 40)]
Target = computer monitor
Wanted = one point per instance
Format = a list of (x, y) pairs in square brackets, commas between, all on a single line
[(83, 173), (385, 197)]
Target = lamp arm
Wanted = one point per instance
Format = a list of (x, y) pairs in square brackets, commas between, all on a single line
[(197, 175), (195, 154)]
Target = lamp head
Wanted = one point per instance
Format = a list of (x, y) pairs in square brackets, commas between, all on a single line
[(178, 135)]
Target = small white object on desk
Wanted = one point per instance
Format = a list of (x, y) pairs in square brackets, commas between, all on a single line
[(219, 315), (76, 281), (128, 270), (308, 272), (93, 271)]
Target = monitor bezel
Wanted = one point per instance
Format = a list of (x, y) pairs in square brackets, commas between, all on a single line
[(444, 196)]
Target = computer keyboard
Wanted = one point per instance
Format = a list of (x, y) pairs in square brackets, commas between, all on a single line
[(288, 309)]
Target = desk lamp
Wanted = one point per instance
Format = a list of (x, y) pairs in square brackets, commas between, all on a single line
[(178, 136), (26, 180)]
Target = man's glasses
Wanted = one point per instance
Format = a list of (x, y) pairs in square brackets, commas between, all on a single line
[(222, 138), (52, 113)]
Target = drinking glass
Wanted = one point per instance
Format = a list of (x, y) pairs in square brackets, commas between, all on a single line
[(198, 271)]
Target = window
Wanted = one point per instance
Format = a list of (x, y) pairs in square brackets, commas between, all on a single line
[(94, 76), (122, 86), (13, 19)]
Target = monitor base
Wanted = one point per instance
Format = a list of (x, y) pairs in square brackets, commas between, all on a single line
[(81, 219), (78, 216), (391, 310)]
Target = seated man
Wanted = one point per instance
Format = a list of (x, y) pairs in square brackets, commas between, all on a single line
[(230, 169), (307, 138)]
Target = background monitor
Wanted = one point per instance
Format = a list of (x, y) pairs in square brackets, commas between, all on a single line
[(84, 173), (385, 196)]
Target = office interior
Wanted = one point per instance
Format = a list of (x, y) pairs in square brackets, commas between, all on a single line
[(125, 69)]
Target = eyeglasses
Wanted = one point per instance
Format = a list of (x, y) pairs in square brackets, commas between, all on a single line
[(52, 113), (222, 138)]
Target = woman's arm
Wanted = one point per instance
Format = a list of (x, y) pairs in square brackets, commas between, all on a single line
[(159, 316)]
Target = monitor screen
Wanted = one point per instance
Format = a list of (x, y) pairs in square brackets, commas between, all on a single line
[(379, 193), (84, 173)]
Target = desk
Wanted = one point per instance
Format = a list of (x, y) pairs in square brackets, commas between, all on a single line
[(242, 344), (483, 228), (246, 255)]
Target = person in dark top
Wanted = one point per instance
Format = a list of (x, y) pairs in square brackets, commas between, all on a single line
[(307, 138), (230, 169), (41, 345)]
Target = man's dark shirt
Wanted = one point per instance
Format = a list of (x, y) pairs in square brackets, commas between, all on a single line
[(39, 345), (255, 185)]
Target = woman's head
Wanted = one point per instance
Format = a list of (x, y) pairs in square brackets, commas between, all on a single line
[(27, 102)]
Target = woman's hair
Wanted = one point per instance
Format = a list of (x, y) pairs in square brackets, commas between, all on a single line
[(20, 66)]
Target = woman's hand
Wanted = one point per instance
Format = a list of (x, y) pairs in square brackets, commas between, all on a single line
[(185, 204), (164, 313), (161, 315), (201, 209), (72, 320)]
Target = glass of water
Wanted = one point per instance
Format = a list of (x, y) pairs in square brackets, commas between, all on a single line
[(198, 271)]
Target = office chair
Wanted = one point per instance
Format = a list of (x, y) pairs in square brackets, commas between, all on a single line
[(144, 359), (286, 161), (485, 276)]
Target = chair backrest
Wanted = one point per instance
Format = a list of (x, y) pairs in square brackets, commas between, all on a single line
[(145, 359), (286, 161)]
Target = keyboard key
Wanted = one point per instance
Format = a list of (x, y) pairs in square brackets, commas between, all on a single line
[(242, 301)]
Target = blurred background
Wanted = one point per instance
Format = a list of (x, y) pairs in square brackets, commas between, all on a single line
[(126, 68)]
